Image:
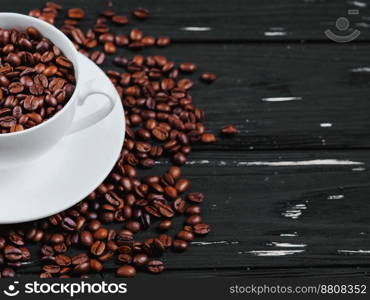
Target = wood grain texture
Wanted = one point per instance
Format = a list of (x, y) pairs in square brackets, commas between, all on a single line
[(271, 211), (329, 82), (240, 20)]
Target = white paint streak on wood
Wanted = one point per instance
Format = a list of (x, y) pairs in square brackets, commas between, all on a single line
[(274, 252), (196, 28), (294, 234), (360, 70), (215, 243), (315, 162), (294, 212), (281, 99), (359, 169), (275, 33), (286, 245), (198, 162), (335, 197), (354, 251), (358, 3)]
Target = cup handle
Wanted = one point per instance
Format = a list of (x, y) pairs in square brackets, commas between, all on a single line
[(91, 87)]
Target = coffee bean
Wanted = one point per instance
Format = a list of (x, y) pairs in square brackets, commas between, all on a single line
[(76, 13), (121, 40), (120, 20), (182, 185), (63, 260), (179, 158), (208, 138), (165, 225), (163, 41), (97, 248), (155, 266), (126, 271), (180, 245), (185, 235), (202, 229), (96, 265), (94, 225), (141, 13), (98, 57), (195, 197), (229, 130), (51, 269), (188, 67), (109, 48), (140, 259), (82, 268), (136, 34), (208, 77)]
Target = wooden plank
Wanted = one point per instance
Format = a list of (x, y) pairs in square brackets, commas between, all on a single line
[(276, 210), (231, 20), (328, 86)]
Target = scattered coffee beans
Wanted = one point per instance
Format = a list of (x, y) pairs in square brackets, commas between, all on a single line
[(36, 80), (161, 120)]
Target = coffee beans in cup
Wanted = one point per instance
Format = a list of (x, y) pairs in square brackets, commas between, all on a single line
[(36, 79)]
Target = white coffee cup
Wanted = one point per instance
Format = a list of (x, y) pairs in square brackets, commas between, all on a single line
[(22, 147)]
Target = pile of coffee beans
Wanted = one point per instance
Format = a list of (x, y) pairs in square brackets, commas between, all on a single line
[(36, 79), (161, 121)]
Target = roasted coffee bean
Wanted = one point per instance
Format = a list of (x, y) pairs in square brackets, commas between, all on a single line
[(96, 265), (76, 13), (120, 20), (51, 269), (179, 158), (179, 245), (109, 48), (195, 197), (202, 229), (12, 254), (182, 185), (80, 259), (98, 57), (126, 271), (136, 34), (208, 138), (155, 266), (163, 41), (148, 41), (120, 41), (185, 235), (82, 268), (188, 67), (141, 13), (208, 77), (101, 234), (63, 260), (229, 130), (97, 248), (94, 225), (140, 259), (165, 225)]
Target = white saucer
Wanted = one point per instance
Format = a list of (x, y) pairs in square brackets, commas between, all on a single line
[(69, 172)]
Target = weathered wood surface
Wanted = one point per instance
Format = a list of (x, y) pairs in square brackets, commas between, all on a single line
[(289, 195), (272, 211), (233, 20)]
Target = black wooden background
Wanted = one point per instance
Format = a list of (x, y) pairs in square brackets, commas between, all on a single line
[(289, 196)]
